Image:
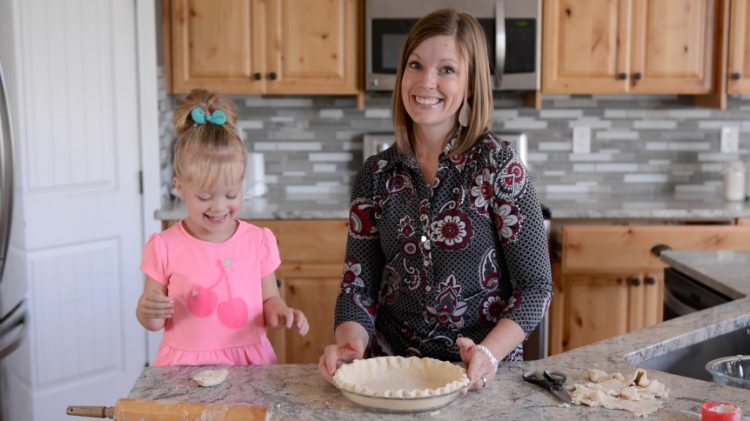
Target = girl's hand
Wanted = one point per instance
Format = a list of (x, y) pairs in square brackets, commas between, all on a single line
[(278, 315), (479, 369), (336, 355), (154, 306)]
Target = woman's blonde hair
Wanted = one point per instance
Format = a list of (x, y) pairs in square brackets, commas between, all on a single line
[(207, 152), (472, 44)]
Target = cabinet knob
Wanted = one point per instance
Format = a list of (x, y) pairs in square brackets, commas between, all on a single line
[(637, 75), (636, 282), (622, 76), (659, 248), (650, 280), (257, 76), (736, 76), (272, 76)]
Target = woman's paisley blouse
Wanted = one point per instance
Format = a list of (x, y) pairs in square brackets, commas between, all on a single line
[(428, 264)]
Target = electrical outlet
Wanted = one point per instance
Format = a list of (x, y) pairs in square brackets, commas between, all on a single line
[(581, 139), (730, 139)]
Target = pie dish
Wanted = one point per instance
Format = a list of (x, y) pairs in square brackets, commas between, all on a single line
[(399, 384)]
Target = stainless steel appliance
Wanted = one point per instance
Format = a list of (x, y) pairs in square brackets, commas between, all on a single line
[(12, 287), (512, 27), (684, 295)]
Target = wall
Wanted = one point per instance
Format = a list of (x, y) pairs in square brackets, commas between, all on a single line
[(639, 143)]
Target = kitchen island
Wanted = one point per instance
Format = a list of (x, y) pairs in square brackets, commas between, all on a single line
[(298, 391)]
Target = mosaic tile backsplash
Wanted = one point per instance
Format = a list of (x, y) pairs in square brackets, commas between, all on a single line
[(639, 144)]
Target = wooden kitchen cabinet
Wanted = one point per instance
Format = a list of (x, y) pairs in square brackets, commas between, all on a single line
[(312, 259), (263, 46), (628, 46), (739, 48), (609, 281)]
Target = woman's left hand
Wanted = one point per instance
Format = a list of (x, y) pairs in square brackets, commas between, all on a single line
[(480, 370)]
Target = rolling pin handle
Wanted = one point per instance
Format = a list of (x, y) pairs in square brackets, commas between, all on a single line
[(91, 411)]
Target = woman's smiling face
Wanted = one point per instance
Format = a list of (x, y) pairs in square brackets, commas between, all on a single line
[(434, 83)]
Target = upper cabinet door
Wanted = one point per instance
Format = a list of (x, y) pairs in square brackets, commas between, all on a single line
[(312, 46), (213, 45), (739, 48), (672, 49), (585, 46)]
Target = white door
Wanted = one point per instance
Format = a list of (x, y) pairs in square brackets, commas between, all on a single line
[(78, 132)]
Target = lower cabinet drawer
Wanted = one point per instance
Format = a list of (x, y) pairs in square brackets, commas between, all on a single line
[(625, 248)]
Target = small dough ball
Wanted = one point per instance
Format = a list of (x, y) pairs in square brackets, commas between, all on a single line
[(208, 378)]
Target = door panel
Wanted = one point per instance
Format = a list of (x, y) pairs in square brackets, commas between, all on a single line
[(312, 46), (596, 308), (213, 45), (739, 47), (585, 45), (672, 46), (653, 298), (81, 204), (317, 299)]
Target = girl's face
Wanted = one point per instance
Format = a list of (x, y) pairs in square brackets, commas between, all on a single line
[(212, 212), (434, 83)]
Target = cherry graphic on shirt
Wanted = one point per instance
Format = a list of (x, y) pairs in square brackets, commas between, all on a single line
[(233, 311), (201, 301)]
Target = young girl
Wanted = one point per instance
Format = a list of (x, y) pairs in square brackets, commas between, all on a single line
[(210, 278)]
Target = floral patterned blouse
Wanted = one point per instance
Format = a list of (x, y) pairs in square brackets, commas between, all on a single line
[(426, 265)]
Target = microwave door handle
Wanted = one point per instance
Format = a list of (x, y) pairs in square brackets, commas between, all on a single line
[(499, 42)]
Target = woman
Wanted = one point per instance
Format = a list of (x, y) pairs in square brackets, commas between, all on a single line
[(447, 252)]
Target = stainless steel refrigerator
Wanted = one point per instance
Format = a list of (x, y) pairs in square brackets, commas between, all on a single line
[(13, 316)]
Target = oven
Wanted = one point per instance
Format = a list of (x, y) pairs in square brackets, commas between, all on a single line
[(684, 295), (512, 28)]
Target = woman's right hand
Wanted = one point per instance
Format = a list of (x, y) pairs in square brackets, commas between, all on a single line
[(336, 355)]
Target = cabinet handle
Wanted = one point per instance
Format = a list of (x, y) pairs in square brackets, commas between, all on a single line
[(272, 76), (637, 75), (736, 76), (636, 282), (659, 248), (622, 76), (650, 280), (257, 76), (278, 282)]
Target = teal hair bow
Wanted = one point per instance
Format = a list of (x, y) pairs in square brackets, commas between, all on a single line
[(201, 117)]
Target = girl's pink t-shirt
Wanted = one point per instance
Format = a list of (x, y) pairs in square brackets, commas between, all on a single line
[(217, 295)]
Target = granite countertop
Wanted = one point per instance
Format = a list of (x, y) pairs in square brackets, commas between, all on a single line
[(298, 391), (561, 206)]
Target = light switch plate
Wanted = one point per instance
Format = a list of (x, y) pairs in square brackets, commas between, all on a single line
[(581, 139), (730, 139)]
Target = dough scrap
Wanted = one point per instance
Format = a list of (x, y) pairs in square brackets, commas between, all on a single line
[(208, 378), (637, 394)]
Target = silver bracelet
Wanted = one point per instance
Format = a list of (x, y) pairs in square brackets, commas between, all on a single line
[(489, 355)]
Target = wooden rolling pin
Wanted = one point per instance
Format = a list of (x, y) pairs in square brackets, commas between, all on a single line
[(146, 410)]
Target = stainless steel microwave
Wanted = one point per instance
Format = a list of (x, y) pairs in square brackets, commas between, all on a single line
[(512, 27)]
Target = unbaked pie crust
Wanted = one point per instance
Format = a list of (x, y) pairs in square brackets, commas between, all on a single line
[(401, 384)]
